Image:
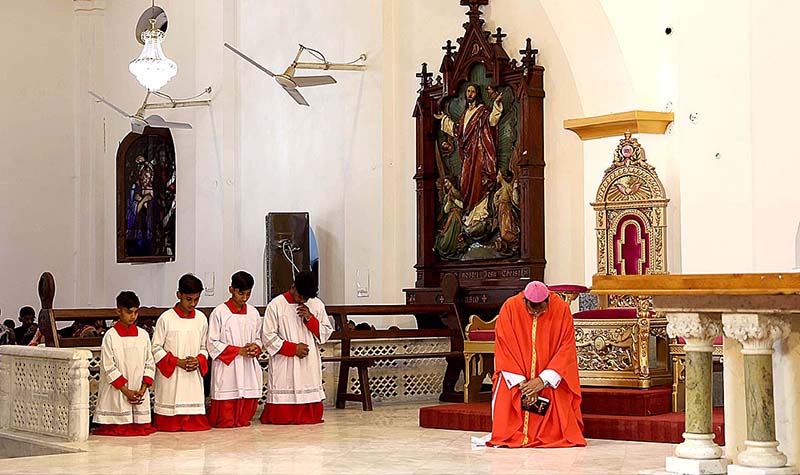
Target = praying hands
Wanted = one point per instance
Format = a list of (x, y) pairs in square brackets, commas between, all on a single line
[(134, 397), (250, 350), (189, 363), (304, 313), (531, 388)]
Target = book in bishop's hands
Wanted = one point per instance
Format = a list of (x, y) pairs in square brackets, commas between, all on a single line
[(539, 406)]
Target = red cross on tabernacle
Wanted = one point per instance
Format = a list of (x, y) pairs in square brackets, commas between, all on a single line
[(632, 250)]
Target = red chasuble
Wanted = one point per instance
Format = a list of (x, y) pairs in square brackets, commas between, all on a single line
[(515, 352)]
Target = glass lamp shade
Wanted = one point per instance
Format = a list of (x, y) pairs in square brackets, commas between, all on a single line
[(152, 68)]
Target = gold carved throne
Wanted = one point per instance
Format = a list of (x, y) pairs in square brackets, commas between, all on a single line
[(624, 343)]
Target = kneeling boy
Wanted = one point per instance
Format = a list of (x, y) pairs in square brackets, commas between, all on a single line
[(126, 362), (179, 349), (234, 343)]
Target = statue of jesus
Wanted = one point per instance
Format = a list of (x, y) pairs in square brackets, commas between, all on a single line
[(476, 145)]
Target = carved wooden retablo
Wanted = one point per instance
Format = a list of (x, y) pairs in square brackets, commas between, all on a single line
[(480, 169)]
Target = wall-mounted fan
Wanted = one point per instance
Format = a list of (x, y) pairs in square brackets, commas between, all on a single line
[(289, 82), (139, 121)]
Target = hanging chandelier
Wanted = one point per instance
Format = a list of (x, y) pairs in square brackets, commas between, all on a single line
[(152, 68)]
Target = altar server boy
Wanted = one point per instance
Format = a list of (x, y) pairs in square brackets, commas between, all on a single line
[(126, 374), (295, 326), (234, 343), (179, 349)]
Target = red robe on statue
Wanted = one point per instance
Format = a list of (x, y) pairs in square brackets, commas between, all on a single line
[(478, 155), (526, 346)]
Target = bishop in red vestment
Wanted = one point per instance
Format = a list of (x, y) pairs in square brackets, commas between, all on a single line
[(535, 357)]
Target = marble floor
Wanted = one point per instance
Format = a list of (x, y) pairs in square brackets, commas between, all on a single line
[(386, 441)]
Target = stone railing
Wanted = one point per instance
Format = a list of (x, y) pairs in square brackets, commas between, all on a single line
[(45, 391)]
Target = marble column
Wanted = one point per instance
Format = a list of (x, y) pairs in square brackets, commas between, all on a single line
[(758, 334), (697, 454)]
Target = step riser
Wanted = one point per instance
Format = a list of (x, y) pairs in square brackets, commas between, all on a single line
[(626, 402), (661, 428)]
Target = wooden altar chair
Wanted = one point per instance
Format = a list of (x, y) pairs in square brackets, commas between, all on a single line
[(478, 357)]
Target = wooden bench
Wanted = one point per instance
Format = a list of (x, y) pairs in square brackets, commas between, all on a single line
[(347, 360), (49, 317)]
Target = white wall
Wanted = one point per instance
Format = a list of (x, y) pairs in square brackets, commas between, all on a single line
[(349, 159), (775, 162), (36, 182), (324, 159), (730, 63), (254, 150)]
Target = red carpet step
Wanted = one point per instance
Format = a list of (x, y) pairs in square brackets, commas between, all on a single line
[(655, 428), (627, 402)]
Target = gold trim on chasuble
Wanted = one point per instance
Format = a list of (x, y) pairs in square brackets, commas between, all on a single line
[(533, 370)]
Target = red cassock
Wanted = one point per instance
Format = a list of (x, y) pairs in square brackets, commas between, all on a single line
[(515, 352)]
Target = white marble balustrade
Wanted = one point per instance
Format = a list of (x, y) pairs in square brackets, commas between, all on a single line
[(45, 391)]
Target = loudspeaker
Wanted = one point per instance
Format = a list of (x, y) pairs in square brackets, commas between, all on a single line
[(286, 252)]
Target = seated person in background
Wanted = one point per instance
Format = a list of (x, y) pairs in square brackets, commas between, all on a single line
[(69, 332), (126, 374), (148, 324), (234, 343), (351, 325), (38, 338), (179, 341), (27, 330), (295, 325), (94, 328), (7, 336), (536, 363)]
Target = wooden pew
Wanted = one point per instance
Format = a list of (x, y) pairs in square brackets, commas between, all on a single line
[(49, 316)]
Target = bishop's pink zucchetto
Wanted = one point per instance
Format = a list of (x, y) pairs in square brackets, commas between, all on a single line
[(536, 292)]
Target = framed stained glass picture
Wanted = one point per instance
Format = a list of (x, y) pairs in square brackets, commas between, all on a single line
[(146, 188)]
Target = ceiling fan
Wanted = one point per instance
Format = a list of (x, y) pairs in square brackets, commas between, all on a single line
[(139, 121), (152, 69), (289, 82)]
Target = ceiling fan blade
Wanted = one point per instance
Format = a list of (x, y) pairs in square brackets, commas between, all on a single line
[(307, 81), (178, 125), (250, 60), (158, 121), (120, 111), (296, 96)]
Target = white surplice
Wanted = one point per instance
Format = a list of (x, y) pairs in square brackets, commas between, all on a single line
[(294, 380), (181, 393), (243, 377), (130, 357)]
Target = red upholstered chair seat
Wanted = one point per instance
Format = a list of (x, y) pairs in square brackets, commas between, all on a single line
[(481, 335), (606, 314), (568, 288), (717, 341)]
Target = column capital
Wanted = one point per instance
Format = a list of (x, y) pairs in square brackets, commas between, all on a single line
[(698, 329), (756, 333)]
